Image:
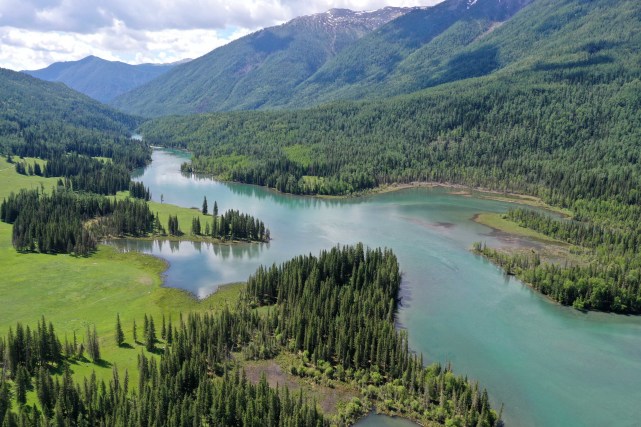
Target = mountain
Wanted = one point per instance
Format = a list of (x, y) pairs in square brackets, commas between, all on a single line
[(258, 70), (101, 79), (36, 115), (423, 48), (554, 114)]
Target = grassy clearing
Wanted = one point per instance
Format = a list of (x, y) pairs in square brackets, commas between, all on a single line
[(552, 250), (498, 222), (76, 292), (330, 395), (299, 153), (10, 180)]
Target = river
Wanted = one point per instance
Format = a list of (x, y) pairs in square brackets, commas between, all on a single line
[(550, 365)]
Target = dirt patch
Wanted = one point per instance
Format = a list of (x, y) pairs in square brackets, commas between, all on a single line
[(273, 372), (145, 280), (328, 398)]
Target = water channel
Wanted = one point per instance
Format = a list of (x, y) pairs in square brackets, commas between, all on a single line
[(550, 365)]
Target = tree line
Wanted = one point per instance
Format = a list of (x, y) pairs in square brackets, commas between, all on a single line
[(604, 286), (55, 222), (89, 174)]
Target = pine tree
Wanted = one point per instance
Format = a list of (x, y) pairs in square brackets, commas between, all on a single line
[(93, 346), (22, 383), (135, 332), (215, 209), (170, 334), (120, 335), (150, 336), (205, 206)]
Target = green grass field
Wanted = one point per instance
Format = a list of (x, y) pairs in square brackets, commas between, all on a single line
[(74, 292), (497, 222), (10, 180), (185, 217)]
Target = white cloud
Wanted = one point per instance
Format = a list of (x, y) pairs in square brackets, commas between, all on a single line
[(28, 50), (35, 33)]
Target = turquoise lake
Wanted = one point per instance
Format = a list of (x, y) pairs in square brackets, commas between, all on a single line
[(549, 365)]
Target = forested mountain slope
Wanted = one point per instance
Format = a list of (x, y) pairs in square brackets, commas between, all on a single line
[(100, 79), (38, 118), (422, 48), (576, 100), (425, 47), (258, 70)]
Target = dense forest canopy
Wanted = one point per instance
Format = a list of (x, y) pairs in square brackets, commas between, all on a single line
[(42, 119), (561, 122)]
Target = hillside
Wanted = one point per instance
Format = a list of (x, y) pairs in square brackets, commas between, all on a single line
[(423, 48), (38, 118), (98, 78), (570, 96), (255, 71), (334, 56)]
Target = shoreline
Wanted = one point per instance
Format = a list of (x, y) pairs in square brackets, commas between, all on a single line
[(185, 238), (161, 274), (498, 224), (479, 192), (461, 190)]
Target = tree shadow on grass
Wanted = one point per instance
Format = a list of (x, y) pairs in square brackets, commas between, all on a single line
[(103, 363), (157, 351)]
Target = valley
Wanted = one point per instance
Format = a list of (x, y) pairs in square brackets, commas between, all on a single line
[(496, 318), (424, 214)]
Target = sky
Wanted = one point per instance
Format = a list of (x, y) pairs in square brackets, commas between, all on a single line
[(36, 33)]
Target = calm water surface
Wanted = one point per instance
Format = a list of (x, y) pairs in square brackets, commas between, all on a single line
[(549, 365)]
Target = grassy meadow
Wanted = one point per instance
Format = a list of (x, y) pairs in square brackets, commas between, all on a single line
[(76, 292)]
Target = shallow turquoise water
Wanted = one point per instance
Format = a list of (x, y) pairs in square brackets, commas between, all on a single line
[(549, 365)]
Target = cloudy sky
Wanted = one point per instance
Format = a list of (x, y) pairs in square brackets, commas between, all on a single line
[(35, 33)]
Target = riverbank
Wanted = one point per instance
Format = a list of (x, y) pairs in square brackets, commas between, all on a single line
[(498, 222), (478, 192)]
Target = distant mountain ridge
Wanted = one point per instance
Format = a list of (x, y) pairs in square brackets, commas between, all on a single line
[(319, 58), (101, 79), (257, 70)]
